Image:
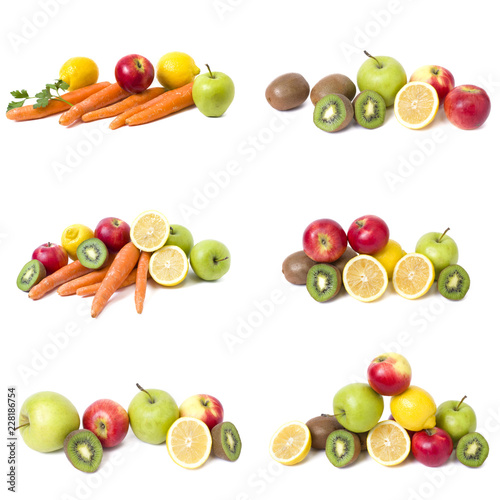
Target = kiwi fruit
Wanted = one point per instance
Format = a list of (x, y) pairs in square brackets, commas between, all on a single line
[(344, 259), (31, 274), (342, 447), (84, 450), (92, 253), (369, 109), (333, 113), (333, 84), (472, 449), (453, 282), (323, 282), (288, 91), (226, 442), (320, 428), (295, 267), (362, 439)]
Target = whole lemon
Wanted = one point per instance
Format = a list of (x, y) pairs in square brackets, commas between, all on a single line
[(176, 69), (389, 256), (414, 409), (79, 72), (72, 237)]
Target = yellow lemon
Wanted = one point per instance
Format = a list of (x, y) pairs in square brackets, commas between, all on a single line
[(149, 231), (291, 443), (72, 237), (414, 409), (176, 69), (169, 265), (389, 256), (416, 105), (413, 276), (388, 443), (365, 278), (79, 72)]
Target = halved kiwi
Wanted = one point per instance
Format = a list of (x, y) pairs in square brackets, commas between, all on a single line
[(333, 113), (31, 274), (84, 450), (472, 449), (226, 442), (320, 428), (323, 282), (342, 447), (453, 282), (92, 253), (369, 109)]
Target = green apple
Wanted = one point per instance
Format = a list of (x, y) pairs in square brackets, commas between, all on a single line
[(456, 418), (213, 92), (358, 407), (45, 419), (441, 250), (151, 414), (181, 237), (210, 260), (382, 74)]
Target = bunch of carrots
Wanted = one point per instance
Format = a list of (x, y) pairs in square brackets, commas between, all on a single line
[(120, 272), (106, 100)]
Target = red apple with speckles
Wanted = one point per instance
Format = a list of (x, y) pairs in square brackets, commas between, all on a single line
[(52, 256), (467, 106), (389, 374), (368, 234), (324, 240), (437, 76), (432, 447), (206, 408), (113, 232), (134, 73), (107, 420)]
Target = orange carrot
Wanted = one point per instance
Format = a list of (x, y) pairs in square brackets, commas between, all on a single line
[(63, 275), (104, 97), (122, 106), (121, 267), (87, 291), (54, 106), (164, 105), (142, 280)]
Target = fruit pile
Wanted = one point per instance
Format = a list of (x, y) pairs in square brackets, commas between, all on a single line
[(415, 424), (130, 99), (365, 267), (382, 83), (48, 422), (116, 255)]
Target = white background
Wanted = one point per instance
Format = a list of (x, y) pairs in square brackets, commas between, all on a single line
[(286, 173)]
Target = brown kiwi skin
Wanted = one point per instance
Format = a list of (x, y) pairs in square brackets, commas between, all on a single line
[(362, 440), (333, 84), (320, 428), (287, 91), (344, 259), (217, 448), (295, 267)]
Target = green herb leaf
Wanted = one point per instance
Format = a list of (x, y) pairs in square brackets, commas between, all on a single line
[(20, 94), (15, 104)]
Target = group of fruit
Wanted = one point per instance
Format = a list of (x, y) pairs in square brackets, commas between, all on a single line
[(130, 99), (415, 424), (48, 421), (372, 259), (382, 83), (116, 255)]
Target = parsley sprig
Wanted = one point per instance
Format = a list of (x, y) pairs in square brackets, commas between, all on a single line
[(42, 98)]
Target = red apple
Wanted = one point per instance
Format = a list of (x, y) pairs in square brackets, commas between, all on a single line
[(410, 433), (437, 76), (134, 73), (389, 374), (368, 234), (324, 240), (52, 256), (467, 106), (432, 447), (203, 407), (113, 232), (107, 420)]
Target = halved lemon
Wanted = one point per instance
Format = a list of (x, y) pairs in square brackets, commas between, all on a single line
[(388, 443), (169, 265), (150, 231), (291, 443), (365, 278), (413, 276), (416, 105), (189, 442)]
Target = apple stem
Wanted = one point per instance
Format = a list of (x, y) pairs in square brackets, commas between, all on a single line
[(144, 390), (441, 237), (171, 230), (210, 71), (221, 260), (369, 55), (24, 425), (458, 405)]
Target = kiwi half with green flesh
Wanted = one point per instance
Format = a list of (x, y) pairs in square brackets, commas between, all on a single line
[(295, 267), (369, 109), (342, 447), (226, 442), (84, 450), (472, 449), (323, 282), (333, 113), (31, 274), (333, 84), (320, 428), (453, 282), (92, 253)]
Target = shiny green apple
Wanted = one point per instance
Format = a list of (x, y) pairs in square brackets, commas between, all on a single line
[(213, 93), (456, 418), (181, 237), (210, 259), (441, 250)]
